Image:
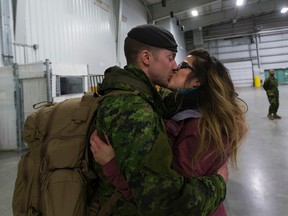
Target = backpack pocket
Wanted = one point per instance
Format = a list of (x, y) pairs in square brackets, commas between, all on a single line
[(64, 193), (27, 188), (65, 151)]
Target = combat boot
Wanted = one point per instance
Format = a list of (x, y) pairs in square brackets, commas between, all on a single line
[(270, 116), (276, 116)]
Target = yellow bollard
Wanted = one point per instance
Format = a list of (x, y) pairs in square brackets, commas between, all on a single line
[(257, 82)]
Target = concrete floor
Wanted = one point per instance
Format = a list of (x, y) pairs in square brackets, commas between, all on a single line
[(259, 186)]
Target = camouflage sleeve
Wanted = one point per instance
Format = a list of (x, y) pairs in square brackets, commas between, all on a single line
[(112, 171), (143, 151), (265, 85), (268, 83)]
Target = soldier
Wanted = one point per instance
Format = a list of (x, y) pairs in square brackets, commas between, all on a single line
[(134, 125), (271, 87)]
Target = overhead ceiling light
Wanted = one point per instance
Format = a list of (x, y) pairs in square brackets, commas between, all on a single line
[(284, 10), (239, 2), (194, 13)]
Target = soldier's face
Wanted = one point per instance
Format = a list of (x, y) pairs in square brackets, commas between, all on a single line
[(272, 72), (162, 67)]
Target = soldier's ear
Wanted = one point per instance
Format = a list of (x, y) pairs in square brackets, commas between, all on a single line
[(145, 57)]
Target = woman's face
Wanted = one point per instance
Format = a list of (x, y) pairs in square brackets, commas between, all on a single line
[(178, 81)]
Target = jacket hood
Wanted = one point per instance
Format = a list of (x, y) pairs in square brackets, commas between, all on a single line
[(131, 78)]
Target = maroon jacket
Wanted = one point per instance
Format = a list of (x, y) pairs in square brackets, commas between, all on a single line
[(184, 136)]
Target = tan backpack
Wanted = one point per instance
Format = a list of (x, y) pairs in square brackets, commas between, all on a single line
[(54, 178)]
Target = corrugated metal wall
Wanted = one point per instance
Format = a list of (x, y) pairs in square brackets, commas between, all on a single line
[(88, 32), (262, 51), (133, 14), (67, 31), (32, 76), (273, 50), (261, 42), (236, 56), (171, 25), (8, 126), (76, 31), (241, 73), (83, 32)]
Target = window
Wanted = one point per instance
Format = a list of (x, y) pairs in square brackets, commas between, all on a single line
[(69, 85)]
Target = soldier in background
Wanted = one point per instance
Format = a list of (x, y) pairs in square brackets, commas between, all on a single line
[(271, 87), (133, 122)]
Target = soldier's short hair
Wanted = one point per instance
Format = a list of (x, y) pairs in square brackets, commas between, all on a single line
[(132, 48)]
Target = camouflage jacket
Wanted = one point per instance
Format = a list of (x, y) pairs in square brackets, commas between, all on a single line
[(271, 85), (134, 125)]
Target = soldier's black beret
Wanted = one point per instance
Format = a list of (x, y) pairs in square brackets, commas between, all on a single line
[(154, 36)]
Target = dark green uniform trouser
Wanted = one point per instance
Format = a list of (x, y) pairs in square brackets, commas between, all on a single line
[(273, 99)]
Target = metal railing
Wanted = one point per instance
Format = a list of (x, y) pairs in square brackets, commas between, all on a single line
[(94, 80)]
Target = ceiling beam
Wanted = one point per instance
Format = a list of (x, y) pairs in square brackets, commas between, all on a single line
[(158, 12), (147, 9), (219, 17)]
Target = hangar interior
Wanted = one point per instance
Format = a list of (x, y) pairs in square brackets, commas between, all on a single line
[(53, 50)]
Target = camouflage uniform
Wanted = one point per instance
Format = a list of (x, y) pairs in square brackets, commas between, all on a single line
[(271, 88), (134, 125)]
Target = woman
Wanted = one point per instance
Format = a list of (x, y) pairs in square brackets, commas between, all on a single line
[(205, 124)]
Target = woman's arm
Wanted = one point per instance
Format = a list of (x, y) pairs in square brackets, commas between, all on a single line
[(104, 154)]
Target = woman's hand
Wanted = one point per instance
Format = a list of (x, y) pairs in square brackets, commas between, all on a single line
[(102, 152)]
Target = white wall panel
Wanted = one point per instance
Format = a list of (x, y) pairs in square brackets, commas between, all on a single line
[(241, 48), (228, 52), (241, 73), (276, 36), (133, 14), (272, 59), (242, 54), (35, 70), (267, 66), (273, 51), (284, 36), (277, 51), (170, 25), (8, 129), (180, 39), (34, 91), (225, 43), (70, 31), (272, 44), (34, 85)]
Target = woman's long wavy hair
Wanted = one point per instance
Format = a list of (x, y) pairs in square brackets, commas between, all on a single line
[(222, 111)]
